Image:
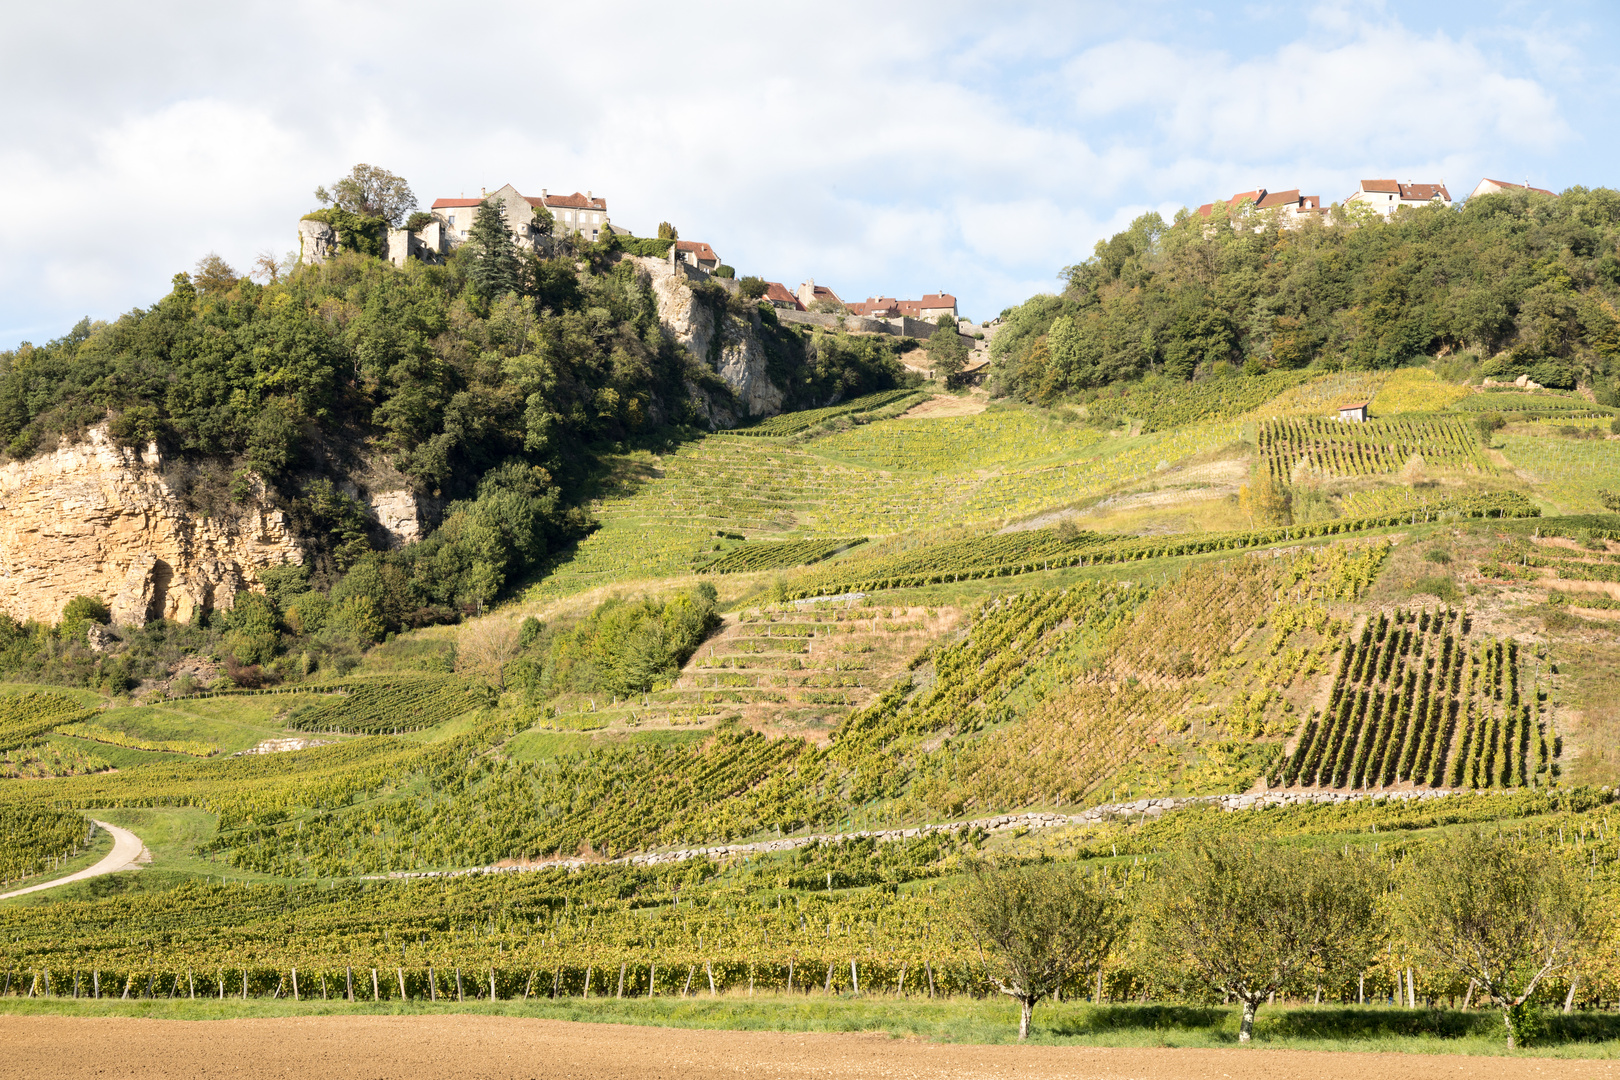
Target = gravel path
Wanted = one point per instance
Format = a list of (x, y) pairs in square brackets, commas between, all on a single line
[(440, 1047), (127, 847)]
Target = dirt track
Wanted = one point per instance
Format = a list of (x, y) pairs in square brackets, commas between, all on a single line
[(436, 1047)]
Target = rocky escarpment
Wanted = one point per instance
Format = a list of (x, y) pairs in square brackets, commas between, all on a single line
[(727, 343), (97, 519)]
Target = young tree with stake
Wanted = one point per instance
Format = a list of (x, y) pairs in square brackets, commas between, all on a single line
[(1036, 925)]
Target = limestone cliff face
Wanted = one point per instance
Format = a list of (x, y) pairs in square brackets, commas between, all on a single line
[(100, 520), (728, 344)]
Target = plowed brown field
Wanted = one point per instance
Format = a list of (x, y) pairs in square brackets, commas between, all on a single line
[(440, 1047)]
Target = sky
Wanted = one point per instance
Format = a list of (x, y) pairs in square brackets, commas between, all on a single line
[(878, 148)]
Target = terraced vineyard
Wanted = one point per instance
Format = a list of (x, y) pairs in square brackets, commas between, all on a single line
[(1332, 448), (879, 479), (774, 555), (889, 402), (1012, 554), (780, 668), (1551, 404)]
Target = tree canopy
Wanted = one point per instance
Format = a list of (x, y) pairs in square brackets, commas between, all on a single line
[(1519, 282), (370, 192)]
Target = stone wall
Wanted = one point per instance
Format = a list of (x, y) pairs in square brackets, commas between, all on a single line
[(100, 520)]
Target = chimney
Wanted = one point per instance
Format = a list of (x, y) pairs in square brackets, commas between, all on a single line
[(542, 193), (587, 193), (481, 191)]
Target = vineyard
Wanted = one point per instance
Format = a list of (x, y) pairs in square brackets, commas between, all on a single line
[(828, 918), (31, 836), (892, 642), (1160, 405), (779, 668), (1570, 472), (777, 554), (1332, 448), (1532, 405), (887, 403), (1415, 390), (1417, 699), (1037, 550), (390, 706)]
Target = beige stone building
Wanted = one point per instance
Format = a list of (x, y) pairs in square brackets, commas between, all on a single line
[(1387, 196), (1291, 205), (585, 214)]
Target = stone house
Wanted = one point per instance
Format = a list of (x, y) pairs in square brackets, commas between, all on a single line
[(697, 253), (1293, 207), (1386, 196), (584, 214), (810, 294), (779, 297), (928, 309)]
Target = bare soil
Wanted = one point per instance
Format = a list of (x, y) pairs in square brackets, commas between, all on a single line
[(436, 1047), (943, 405)]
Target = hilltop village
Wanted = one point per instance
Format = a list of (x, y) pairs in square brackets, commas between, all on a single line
[(544, 224)]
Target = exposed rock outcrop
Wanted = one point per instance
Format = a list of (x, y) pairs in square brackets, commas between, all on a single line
[(403, 514), (100, 520), (728, 344)]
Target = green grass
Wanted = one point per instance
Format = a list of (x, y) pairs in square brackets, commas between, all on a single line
[(951, 1020), (89, 856), (170, 834)]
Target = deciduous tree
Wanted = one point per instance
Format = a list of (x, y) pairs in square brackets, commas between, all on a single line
[(1505, 913), (1246, 919), (372, 192), (1036, 925)]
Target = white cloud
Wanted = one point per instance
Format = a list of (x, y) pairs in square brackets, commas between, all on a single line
[(1379, 91), (896, 149)]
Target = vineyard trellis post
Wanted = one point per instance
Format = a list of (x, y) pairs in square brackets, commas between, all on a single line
[(401, 973), (348, 982), (376, 994), (295, 983)]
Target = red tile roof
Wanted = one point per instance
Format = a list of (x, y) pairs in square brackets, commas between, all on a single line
[(576, 201), (875, 305), (450, 204), (777, 293), (1521, 187), (1407, 192), (698, 249), (937, 300), (1268, 200)]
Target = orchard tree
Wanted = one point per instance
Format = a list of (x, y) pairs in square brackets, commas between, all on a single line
[(370, 192), (1502, 912), (1036, 925), (1247, 919)]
